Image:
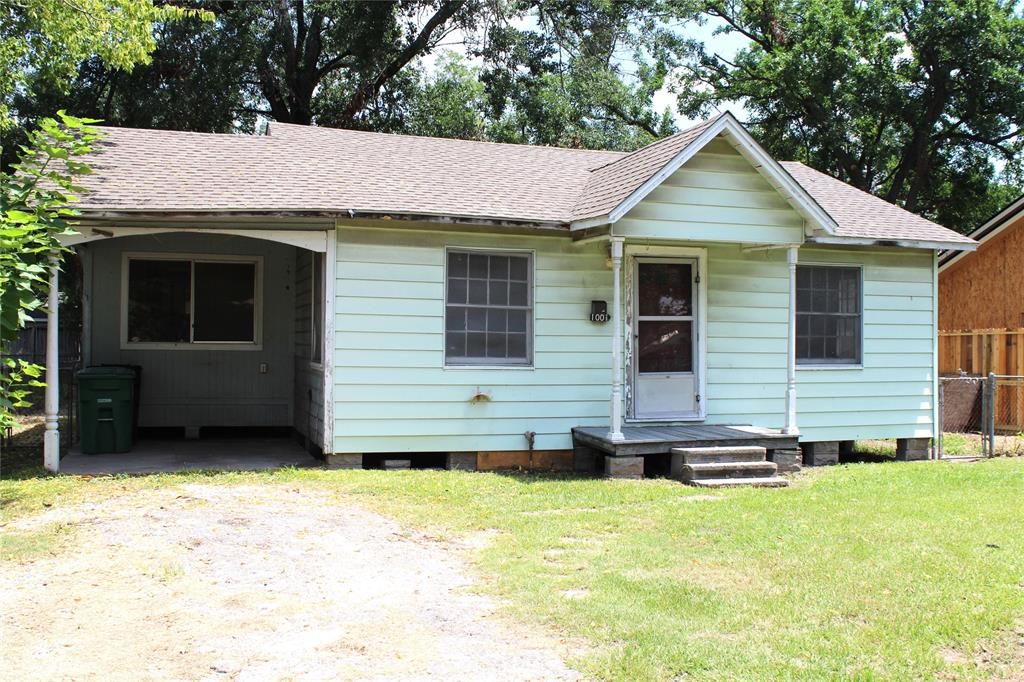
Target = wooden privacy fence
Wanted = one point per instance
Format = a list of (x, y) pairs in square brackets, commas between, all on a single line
[(980, 352), (990, 351)]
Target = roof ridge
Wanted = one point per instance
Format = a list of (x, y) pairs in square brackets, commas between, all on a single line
[(178, 132), (518, 145)]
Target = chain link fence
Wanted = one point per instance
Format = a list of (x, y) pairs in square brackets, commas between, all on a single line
[(981, 416)]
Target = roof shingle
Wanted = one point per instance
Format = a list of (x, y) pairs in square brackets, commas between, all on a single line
[(303, 168), (860, 214)]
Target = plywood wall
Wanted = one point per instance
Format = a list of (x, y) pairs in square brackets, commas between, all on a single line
[(985, 289)]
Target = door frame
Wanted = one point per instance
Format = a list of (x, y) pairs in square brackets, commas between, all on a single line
[(642, 252)]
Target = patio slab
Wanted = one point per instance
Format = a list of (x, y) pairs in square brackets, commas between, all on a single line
[(219, 454)]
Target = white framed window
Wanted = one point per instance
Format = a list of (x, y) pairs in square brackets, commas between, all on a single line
[(488, 308), (191, 301), (316, 324), (829, 318)]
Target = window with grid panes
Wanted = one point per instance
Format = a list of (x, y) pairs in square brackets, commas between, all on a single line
[(489, 306), (828, 315)]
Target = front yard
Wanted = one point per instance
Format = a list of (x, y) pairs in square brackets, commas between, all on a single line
[(867, 571)]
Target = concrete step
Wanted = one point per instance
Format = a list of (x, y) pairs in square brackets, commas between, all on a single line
[(739, 453), (763, 482), (704, 470)]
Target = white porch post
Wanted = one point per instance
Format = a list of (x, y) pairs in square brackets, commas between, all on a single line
[(790, 426), (51, 437), (618, 329)]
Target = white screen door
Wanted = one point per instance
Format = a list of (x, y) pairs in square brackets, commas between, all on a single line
[(664, 342)]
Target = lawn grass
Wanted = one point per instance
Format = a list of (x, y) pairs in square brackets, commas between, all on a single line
[(867, 571)]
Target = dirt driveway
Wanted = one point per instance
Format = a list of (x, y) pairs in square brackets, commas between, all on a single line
[(254, 583)]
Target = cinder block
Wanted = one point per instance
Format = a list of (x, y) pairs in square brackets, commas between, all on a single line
[(820, 453), (344, 461), (788, 461), (461, 461), (623, 467), (910, 449)]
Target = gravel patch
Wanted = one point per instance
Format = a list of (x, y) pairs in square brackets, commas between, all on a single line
[(255, 583)]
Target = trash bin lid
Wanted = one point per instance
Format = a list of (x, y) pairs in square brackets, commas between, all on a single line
[(106, 372)]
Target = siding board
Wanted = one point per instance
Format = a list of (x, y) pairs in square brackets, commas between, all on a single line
[(392, 390), (891, 396)]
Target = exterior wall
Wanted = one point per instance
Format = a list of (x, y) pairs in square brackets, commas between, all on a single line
[(192, 387), (392, 392), (309, 378), (892, 395), (982, 290), (748, 323), (725, 200)]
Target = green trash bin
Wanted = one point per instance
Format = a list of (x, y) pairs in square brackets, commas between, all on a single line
[(106, 396)]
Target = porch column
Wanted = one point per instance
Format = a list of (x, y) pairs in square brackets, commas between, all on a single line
[(790, 425), (51, 437), (618, 329)]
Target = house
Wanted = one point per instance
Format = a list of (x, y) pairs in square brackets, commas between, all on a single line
[(505, 303), (981, 307)]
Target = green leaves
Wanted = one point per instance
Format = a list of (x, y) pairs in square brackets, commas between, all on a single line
[(919, 102), (34, 211), (43, 41)]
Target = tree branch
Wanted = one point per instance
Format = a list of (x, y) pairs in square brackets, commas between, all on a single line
[(369, 90)]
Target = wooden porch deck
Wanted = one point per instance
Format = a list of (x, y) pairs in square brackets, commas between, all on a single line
[(657, 439)]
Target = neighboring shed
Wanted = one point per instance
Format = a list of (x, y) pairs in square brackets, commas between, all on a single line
[(984, 289), (981, 299)]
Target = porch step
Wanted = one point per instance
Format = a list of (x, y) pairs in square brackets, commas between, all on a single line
[(735, 453), (718, 470), (761, 482)]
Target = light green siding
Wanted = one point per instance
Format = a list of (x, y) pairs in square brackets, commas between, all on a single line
[(392, 391), (747, 328), (892, 395), (716, 196)]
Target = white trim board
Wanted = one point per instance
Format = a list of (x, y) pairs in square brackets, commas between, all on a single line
[(902, 243), (794, 194), (313, 240)]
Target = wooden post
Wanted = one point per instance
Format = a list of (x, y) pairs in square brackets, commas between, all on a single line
[(618, 329), (790, 426), (327, 346), (51, 437)]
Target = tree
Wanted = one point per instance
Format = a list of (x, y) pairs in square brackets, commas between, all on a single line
[(192, 81), (44, 41), (910, 100), (35, 209)]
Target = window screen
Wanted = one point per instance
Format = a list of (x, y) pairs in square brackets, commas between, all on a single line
[(191, 301), (488, 316), (828, 315)]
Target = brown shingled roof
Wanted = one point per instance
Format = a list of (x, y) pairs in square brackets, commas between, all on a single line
[(308, 169), (301, 168), (864, 215), (612, 183)]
